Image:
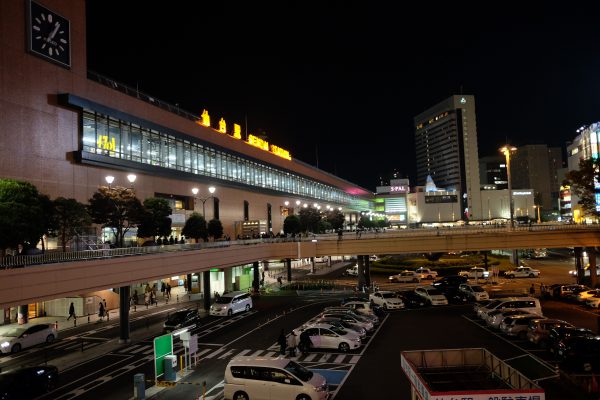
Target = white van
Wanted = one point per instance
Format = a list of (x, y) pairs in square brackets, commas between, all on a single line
[(529, 304), (272, 378), (231, 303)]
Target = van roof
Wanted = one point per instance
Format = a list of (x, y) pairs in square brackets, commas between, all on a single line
[(260, 361), (233, 294)]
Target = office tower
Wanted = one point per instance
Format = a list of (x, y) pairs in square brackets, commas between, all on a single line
[(446, 150), (492, 171)]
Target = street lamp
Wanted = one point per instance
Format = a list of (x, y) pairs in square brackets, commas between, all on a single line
[(109, 179), (203, 200), (506, 150), (539, 221)]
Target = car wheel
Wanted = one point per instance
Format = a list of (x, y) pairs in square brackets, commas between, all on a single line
[(16, 348), (587, 367), (247, 307), (532, 275), (240, 396), (511, 277), (303, 397), (229, 313), (344, 347), (50, 339), (50, 385)]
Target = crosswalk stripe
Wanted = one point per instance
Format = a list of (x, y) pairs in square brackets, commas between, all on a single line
[(354, 360), (138, 350), (203, 352), (243, 353), (256, 353), (310, 357), (214, 353), (339, 359), (271, 354)]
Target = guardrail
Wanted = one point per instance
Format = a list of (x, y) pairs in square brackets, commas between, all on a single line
[(61, 257)]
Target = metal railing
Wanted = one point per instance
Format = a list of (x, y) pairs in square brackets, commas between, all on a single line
[(61, 257)]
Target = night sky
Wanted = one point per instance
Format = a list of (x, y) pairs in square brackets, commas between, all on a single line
[(344, 79)]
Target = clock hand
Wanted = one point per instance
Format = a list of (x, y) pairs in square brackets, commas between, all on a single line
[(57, 26)]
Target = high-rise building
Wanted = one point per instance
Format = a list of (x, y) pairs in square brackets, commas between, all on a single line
[(446, 150), (536, 166), (492, 171)]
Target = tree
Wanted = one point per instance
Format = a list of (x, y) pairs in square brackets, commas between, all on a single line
[(323, 226), (215, 229), (47, 223), (195, 227), (336, 219), (68, 218), (309, 219), (291, 225), (365, 223), (21, 214), (116, 208), (382, 223), (155, 219), (583, 184)]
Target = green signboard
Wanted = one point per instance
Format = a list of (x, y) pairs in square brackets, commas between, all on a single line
[(163, 346)]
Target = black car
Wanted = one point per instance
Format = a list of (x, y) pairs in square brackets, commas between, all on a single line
[(182, 319), (28, 383), (580, 353), (411, 299), (450, 281), (455, 296), (558, 334)]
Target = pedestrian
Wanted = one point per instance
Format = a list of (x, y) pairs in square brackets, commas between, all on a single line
[(163, 288), (532, 290), (292, 343), (153, 298), (168, 290), (280, 281), (340, 234), (71, 312), (305, 342), (135, 296), (542, 291), (217, 295), (282, 342), (101, 311)]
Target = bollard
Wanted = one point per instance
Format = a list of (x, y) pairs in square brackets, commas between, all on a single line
[(107, 315), (203, 390), (88, 318), (75, 321), (181, 364), (56, 325), (139, 387), (178, 298)]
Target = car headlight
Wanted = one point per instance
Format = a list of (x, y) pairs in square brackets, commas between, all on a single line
[(356, 339), (4, 344), (322, 388)]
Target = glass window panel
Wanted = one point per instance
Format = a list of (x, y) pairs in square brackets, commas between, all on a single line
[(114, 138), (187, 156), (125, 141), (136, 143), (101, 134), (89, 132)]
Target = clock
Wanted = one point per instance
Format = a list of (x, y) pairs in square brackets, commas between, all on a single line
[(49, 34)]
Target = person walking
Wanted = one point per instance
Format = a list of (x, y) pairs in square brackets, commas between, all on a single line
[(305, 342), (71, 312), (292, 343), (101, 311), (168, 290), (532, 290), (282, 342)]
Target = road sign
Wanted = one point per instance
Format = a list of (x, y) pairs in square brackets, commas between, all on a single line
[(163, 346)]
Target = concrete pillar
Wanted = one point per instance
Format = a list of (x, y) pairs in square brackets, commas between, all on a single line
[(288, 264), (189, 283), (367, 270), (22, 314), (592, 257), (124, 296), (361, 271), (227, 273), (206, 283), (578, 266), (256, 278), (312, 265)]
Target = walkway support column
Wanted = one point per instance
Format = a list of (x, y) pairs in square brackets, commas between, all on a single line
[(124, 301), (189, 283), (206, 284), (578, 267), (592, 258), (361, 271), (312, 265), (227, 275), (367, 270), (288, 265), (255, 279)]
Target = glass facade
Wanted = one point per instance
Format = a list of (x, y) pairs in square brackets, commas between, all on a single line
[(124, 140)]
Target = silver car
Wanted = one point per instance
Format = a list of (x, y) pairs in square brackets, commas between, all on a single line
[(517, 325), (349, 318)]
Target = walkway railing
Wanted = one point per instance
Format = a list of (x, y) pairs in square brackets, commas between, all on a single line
[(61, 257)]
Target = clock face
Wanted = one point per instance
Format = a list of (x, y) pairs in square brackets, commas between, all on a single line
[(49, 35)]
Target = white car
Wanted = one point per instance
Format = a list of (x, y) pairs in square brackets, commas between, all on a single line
[(19, 337), (523, 272), (494, 318), (354, 320), (386, 299), (405, 276), (474, 292), (325, 336), (475, 272), (432, 295), (361, 307), (426, 273), (586, 294), (352, 271), (586, 271), (593, 301)]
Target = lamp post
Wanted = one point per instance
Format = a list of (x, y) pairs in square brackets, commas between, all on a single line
[(507, 150), (539, 220), (203, 200)]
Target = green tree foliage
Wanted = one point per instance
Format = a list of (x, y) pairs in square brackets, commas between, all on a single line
[(336, 219), (69, 217), (195, 227), (215, 229), (155, 219), (291, 225), (116, 208), (323, 226), (365, 223), (382, 223), (309, 219), (582, 184), (21, 214), (47, 222)]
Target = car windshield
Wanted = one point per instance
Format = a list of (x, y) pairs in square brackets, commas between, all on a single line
[(493, 304), (433, 292), (477, 289), (223, 300), (14, 332), (337, 330), (299, 371), (177, 317), (388, 295)]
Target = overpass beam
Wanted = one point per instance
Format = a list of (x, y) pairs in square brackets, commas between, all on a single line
[(255, 279), (124, 301), (288, 265), (578, 264), (206, 284), (592, 257)]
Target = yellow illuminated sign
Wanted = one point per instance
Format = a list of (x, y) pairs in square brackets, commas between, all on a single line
[(205, 118), (278, 151), (264, 145), (237, 131), (222, 126), (105, 143)]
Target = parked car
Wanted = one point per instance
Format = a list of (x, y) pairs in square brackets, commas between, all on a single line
[(593, 301), (539, 329), (432, 296), (529, 304), (352, 271), (354, 298), (586, 294), (556, 335), (362, 332), (494, 318), (411, 299), (20, 337), (362, 307), (28, 382), (517, 325), (231, 303), (187, 318), (368, 316), (580, 352), (405, 276), (247, 378), (522, 272), (386, 299), (426, 273), (480, 305), (450, 281), (568, 292), (586, 271), (326, 336), (475, 272), (474, 292), (353, 320)]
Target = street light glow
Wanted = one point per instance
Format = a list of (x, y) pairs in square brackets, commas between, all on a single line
[(131, 178), (298, 202), (195, 191), (109, 179), (212, 189), (287, 203)]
